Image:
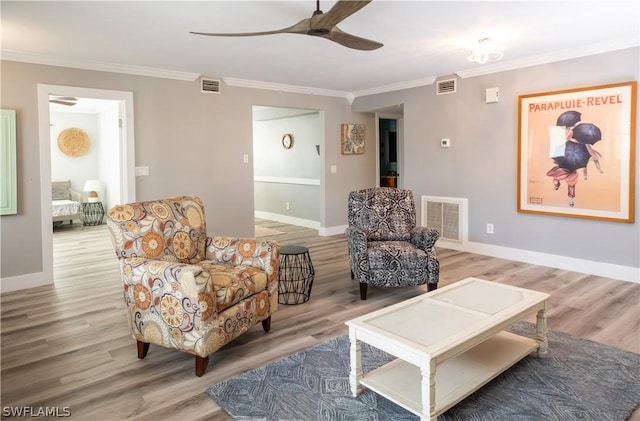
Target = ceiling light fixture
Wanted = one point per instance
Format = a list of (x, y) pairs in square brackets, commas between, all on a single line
[(485, 50)]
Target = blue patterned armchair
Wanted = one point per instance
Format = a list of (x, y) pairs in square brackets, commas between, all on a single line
[(385, 246), (183, 289)]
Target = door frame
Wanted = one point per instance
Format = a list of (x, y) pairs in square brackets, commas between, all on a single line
[(126, 159)]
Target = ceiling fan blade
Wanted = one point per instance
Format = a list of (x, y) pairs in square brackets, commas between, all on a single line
[(320, 25), (352, 41), (58, 101), (299, 28), (339, 12)]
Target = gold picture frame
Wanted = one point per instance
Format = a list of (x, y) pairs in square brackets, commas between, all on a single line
[(352, 139), (576, 152)]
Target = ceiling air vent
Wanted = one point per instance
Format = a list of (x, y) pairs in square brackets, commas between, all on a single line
[(446, 87), (210, 86)]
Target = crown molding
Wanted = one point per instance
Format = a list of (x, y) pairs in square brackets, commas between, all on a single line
[(256, 84), (589, 50), (98, 66), (396, 87), (502, 66)]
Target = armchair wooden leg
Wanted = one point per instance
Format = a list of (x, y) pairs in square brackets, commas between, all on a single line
[(431, 287), (143, 348), (352, 277), (201, 365), (266, 324), (363, 290)]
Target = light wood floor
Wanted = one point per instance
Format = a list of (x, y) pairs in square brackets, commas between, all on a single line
[(68, 345)]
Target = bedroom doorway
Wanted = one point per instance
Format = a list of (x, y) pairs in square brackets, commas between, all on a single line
[(114, 115)]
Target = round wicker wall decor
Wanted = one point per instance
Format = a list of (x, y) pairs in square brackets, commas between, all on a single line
[(73, 142)]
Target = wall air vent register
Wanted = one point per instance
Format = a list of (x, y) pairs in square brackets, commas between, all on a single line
[(446, 87), (447, 215), (210, 86)]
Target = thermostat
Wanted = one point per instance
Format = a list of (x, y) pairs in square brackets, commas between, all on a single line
[(492, 95)]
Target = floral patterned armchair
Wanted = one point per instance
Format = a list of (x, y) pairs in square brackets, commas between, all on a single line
[(385, 246), (185, 290)]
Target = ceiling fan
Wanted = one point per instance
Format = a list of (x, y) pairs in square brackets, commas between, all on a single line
[(320, 24), (64, 100)]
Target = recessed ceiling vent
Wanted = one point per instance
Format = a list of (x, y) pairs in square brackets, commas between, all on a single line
[(210, 86), (446, 87)]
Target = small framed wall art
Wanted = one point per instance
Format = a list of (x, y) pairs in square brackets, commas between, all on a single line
[(352, 139)]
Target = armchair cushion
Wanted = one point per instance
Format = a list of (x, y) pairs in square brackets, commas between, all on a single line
[(395, 256), (233, 283)]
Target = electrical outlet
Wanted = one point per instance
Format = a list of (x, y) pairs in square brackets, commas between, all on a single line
[(286, 205), (489, 228)]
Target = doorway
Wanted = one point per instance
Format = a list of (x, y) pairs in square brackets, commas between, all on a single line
[(389, 150), (122, 173), (288, 147)]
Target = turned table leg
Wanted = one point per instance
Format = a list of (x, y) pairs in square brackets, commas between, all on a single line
[(541, 333), (356, 364)]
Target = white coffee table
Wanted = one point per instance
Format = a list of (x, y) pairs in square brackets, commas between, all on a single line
[(448, 343)]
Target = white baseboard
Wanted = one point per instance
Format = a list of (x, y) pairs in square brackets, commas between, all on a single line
[(30, 280), (607, 270), (329, 231), (288, 219)]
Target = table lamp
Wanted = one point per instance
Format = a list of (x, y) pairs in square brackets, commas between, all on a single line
[(92, 187)]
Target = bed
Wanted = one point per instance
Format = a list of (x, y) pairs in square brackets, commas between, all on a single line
[(66, 203)]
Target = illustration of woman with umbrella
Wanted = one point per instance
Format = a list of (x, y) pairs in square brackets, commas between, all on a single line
[(577, 152)]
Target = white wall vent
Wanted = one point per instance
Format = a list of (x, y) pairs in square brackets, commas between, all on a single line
[(210, 86), (446, 87), (448, 215)]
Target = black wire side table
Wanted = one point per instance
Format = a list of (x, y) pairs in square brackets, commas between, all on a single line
[(296, 274)]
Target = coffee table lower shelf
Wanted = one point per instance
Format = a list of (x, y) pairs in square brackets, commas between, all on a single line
[(456, 378)]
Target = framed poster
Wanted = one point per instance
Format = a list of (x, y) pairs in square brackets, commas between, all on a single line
[(576, 152), (352, 139)]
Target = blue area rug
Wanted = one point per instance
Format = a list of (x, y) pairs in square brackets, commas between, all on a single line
[(580, 380)]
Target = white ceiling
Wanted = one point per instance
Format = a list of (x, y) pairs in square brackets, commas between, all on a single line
[(422, 39)]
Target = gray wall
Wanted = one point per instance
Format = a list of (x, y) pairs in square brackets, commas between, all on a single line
[(481, 163), (193, 143)]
